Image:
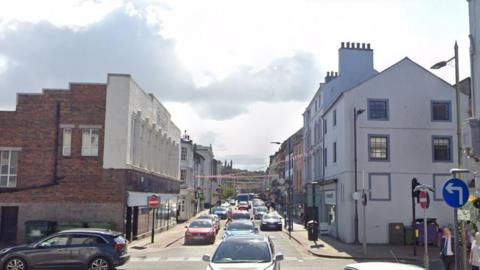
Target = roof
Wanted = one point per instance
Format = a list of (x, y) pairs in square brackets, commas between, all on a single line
[(405, 59), (245, 238), (91, 230)]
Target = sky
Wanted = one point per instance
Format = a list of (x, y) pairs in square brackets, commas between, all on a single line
[(236, 74)]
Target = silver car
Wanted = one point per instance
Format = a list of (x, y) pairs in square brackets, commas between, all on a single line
[(245, 252)]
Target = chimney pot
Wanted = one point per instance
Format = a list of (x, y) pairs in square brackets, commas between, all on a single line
[(348, 44), (328, 73), (358, 45), (363, 45), (343, 44), (368, 46)]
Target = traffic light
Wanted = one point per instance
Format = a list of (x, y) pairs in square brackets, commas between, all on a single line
[(415, 194)]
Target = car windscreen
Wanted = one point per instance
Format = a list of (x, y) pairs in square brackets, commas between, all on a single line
[(200, 224), (243, 251), (243, 197), (221, 209), (241, 216), (240, 226), (261, 209), (205, 217), (270, 216)]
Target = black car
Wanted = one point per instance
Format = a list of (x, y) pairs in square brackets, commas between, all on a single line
[(93, 249), (271, 221)]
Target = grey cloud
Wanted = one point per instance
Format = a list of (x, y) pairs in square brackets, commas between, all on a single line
[(42, 56)]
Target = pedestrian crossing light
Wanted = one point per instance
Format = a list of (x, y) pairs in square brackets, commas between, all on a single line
[(415, 193)]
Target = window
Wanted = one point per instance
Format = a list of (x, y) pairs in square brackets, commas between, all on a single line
[(325, 126), (442, 148), (86, 240), (441, 111), (325, 157), (8, 168), (379, 185), (67, 142), (377, 109), (334, 115), (90, 142), (183, 175), (334, 152), (57, 241), (378, 147), (184, 153)]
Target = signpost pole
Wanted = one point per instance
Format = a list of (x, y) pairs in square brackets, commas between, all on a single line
[(425, 234), (153, 225), (364, 214)]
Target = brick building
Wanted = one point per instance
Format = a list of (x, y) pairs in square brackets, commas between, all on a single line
[(89, 155)]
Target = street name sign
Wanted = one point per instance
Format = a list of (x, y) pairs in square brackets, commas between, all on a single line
[(455, 193)]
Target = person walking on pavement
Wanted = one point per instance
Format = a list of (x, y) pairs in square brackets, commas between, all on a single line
[(446, 252), (475, 252)]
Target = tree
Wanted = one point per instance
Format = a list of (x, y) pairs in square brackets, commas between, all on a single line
[(228, 191)]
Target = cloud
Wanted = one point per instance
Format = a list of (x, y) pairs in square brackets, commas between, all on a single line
[(42, 55)]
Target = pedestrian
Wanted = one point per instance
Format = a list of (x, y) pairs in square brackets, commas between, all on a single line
[(475, 252), (447, 251)]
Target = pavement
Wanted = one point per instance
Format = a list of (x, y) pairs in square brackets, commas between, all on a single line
[(329, 247), (162, 239)]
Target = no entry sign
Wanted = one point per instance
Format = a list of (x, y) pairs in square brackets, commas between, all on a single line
[(424, 199), (153, 201)]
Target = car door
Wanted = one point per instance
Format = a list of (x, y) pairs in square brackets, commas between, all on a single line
[(50, 253), (83, 247)]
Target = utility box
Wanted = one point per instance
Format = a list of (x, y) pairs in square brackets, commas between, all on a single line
[(312, 228), (396, 234)]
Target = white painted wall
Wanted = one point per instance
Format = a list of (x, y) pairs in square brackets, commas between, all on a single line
[(474, 12), (138, 130), (188, 164), (410, 129)]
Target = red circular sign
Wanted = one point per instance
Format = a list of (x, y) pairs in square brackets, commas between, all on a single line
[(153, 201), (424, 199)]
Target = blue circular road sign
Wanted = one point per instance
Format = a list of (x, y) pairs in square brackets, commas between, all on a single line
[(455, 193)]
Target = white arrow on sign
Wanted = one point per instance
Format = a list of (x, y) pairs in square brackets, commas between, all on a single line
[(452, 188)]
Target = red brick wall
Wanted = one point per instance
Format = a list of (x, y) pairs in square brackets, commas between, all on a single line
[(32, 127)]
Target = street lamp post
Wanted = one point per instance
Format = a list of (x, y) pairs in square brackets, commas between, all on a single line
[(356, 113), (459, 148)]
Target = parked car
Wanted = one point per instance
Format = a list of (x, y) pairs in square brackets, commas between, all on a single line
[(214, 218), (240, 214), (200, 230), (93, 249), (382, 266), (240, 227), (243, 205), (245, 252), (221, 212), (258, 202), (271, 221), (259, 211)]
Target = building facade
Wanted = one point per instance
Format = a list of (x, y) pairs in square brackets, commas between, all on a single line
[(89, 155), (405, 129), (186, 201)]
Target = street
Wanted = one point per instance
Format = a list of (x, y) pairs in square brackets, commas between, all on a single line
[(190, 257)]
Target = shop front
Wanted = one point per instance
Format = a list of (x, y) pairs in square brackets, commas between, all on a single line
[(138, 216)]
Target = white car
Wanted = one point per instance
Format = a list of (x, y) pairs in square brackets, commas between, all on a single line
[(253, 252), (382, 266)]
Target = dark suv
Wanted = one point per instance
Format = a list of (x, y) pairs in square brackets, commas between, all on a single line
[(92, 249)]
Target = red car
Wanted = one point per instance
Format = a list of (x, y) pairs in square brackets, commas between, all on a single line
[(243, 206), (200, 230), (240, 214)]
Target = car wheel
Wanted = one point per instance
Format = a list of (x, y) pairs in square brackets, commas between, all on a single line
[(99, 263), (15, 264)]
